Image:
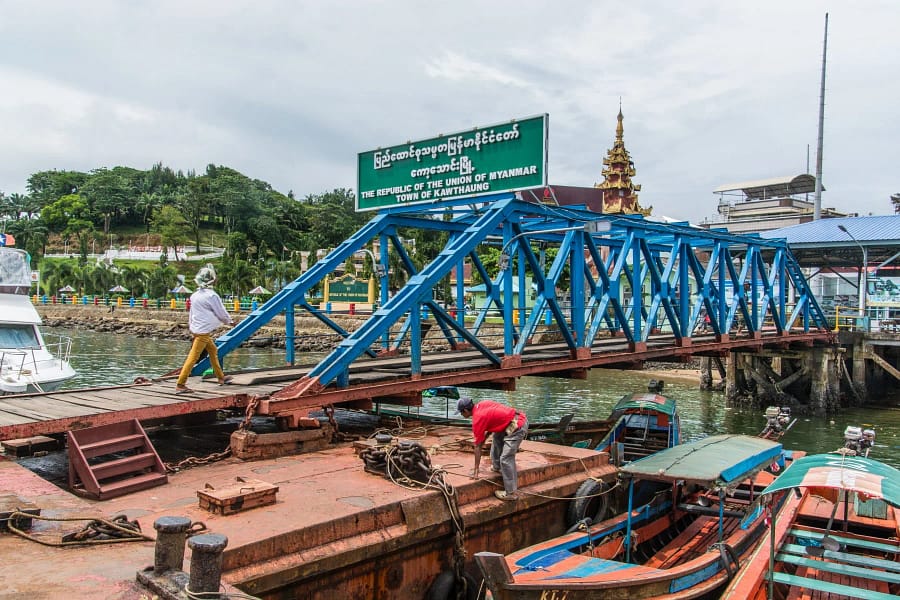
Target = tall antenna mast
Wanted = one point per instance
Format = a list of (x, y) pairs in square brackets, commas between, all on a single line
[(817, 206)]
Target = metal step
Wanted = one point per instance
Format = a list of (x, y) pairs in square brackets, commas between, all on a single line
[(110, 474), (112, 445), (122, 466), (132, 484)]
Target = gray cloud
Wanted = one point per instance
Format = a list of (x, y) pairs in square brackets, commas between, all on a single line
[(290, 92)]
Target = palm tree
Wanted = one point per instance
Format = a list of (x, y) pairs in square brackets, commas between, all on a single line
[(56, 274), (134, 278), (160, 280), (30, 234), (19, 205), (100, 277), (238, 275)]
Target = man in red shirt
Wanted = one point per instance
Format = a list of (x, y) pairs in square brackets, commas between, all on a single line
[(509, 427)]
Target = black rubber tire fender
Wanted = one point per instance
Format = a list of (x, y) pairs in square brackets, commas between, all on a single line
[(730, 560), (444, 587), (591, 501)]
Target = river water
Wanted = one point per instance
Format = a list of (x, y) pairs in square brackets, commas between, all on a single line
[(111, 359)]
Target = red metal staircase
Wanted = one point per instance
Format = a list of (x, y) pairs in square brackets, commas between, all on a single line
[(113, 460)]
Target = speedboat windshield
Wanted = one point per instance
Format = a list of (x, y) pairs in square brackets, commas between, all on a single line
[(18, 336)]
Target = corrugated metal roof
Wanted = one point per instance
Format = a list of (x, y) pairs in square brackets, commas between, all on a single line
[(879, 229), (794, 184)]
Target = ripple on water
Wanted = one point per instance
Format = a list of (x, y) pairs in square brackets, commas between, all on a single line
[(110, 359)]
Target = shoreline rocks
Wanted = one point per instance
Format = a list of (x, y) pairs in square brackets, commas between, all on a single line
[(310, 336)]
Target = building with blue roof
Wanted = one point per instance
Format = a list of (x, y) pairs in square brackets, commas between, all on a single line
[(835, 250)]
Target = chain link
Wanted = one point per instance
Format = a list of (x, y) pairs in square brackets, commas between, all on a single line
[(249, 412), (409, 464), (196, 461), (97, 531)]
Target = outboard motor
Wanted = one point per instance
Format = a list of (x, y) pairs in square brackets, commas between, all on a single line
[(859, 441), (867, 441), (777, 421), (656, 386)]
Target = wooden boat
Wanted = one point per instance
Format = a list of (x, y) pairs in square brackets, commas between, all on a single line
[(837, 536), (639, 425), (685, 541), (644, 424)]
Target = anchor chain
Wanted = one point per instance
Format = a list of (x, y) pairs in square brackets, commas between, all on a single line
[(196, 461), (408, 463), (249, 412)]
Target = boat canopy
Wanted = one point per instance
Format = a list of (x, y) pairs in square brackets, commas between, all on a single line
[(717, 461), (645, 401), (835, 472), (15, 271)]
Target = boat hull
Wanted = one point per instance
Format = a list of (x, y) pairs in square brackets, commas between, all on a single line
[(686, 542), (865, 567)]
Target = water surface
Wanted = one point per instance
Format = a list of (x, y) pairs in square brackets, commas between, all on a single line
[(113, 359)]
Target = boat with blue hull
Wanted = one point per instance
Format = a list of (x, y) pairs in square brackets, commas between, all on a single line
[(686, 541), (639, 425)]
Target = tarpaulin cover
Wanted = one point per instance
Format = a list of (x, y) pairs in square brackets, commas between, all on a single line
[(716, 461), (825, 472)]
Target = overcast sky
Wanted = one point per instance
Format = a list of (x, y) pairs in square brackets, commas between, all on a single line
[(289, 92)]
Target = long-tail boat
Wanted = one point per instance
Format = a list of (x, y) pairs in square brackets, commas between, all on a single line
[(686, 541), (837, 536), (640, 424)]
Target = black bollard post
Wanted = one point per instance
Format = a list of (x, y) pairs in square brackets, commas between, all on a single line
[(206, 562), (171, 533)]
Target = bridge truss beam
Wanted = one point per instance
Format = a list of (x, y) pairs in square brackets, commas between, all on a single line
[(745, 284)]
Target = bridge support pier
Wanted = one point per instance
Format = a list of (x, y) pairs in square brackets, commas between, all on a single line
[(860, 389), (807, 380), (706, 373), (825, 385)]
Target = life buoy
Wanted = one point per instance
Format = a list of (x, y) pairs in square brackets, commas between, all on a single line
[(444, 587), (591, 501)]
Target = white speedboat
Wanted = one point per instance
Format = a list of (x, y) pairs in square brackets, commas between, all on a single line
[(27, 362)]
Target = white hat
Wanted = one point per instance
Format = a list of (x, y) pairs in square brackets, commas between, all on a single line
[(206, 277)]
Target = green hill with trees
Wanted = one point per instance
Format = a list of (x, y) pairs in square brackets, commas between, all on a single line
[(81, 215)]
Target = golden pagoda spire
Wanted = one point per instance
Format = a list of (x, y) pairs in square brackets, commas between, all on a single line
[(619, 191), (620, 129)]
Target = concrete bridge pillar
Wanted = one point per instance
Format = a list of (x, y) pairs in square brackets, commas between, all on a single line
[(732, 373), (807, 379), (824, 392), (706, 373), (859, 368)]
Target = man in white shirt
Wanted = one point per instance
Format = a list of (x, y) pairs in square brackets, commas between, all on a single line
[(206, 315)]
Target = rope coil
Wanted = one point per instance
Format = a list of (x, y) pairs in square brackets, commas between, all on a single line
[(97, 531)]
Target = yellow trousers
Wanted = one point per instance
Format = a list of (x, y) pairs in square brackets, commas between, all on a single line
[(201, 342)]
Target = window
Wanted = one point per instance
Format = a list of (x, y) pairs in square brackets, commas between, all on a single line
[(18, 336)]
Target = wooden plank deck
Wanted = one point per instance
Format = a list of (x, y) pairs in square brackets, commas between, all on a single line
[(44, 414)]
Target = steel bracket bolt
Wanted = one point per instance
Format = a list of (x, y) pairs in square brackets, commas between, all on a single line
[(206, 563), (171, 533)]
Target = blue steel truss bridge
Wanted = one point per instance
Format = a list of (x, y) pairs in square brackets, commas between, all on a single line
[(614, 290)]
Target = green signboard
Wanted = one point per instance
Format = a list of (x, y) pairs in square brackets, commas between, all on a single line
[(348, 289), (485, 160)]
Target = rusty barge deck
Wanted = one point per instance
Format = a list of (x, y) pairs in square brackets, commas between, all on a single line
[(335, 530)]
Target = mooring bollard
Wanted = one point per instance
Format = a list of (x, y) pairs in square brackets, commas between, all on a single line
[(171, 533), (206, 562)]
